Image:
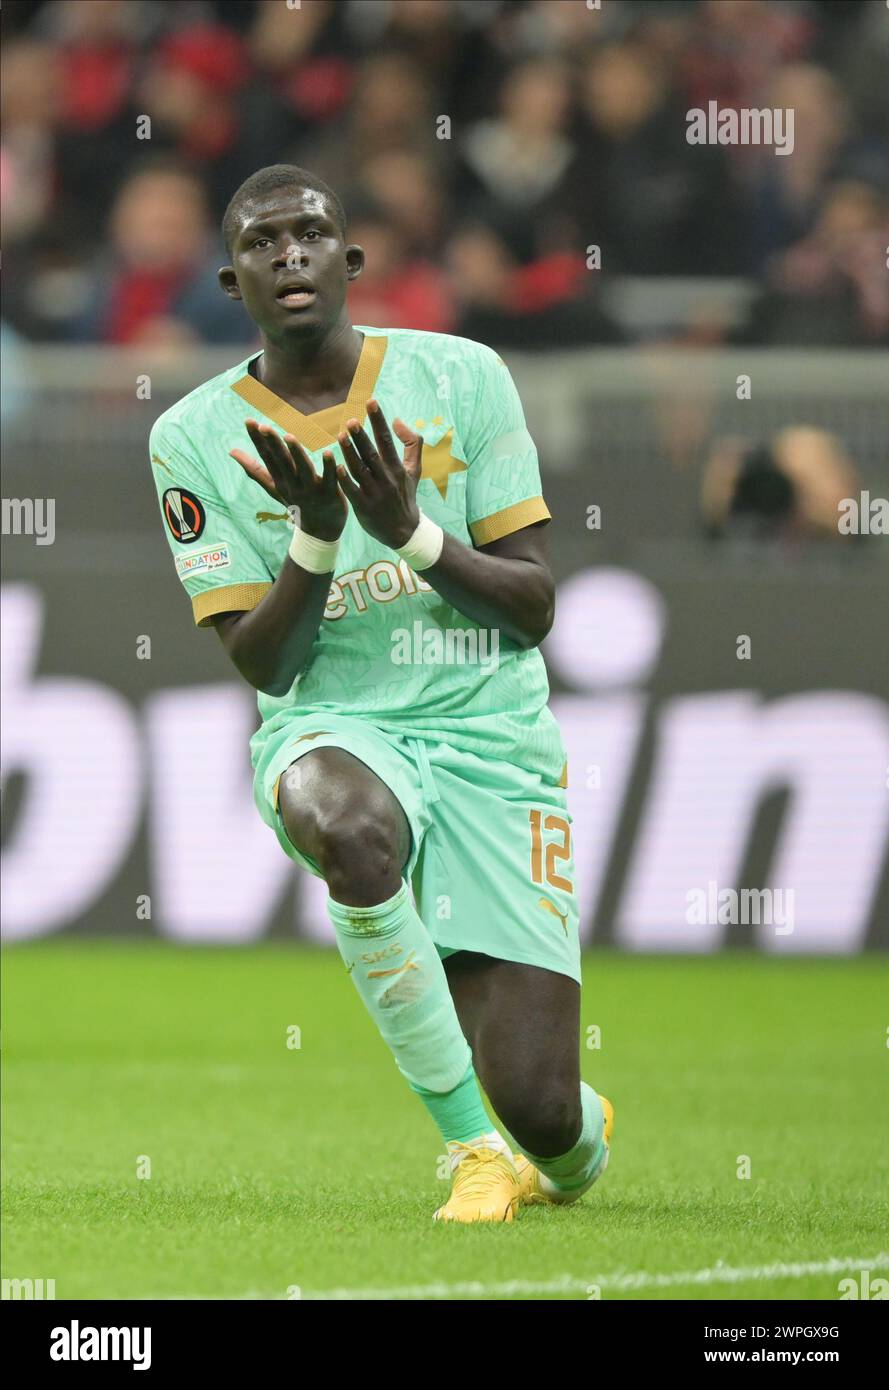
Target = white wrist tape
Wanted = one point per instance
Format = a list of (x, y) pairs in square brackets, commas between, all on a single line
[(424, 546), (318, 557)]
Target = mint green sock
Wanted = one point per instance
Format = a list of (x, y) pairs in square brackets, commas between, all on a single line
[(398, 973), (459, 1114), (570, 1174)]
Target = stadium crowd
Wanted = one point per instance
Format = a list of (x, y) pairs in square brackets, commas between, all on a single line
[(481, 147)]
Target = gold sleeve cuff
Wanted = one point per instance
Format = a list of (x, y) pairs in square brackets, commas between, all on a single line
[(491, 528), (230, 598)]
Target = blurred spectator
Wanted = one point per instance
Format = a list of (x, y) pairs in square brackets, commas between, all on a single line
[(29, 105), (735, 46), (549, 303), (860, 53), (786, 192), (822, 474), (789, 489), (454, 46), (284, 43), (159, 283), (99, 44), (411, 191), (303, 76), (390, 110), (395, 289), (516, 169), (190, 91), (518, 260), (831, 288), (560, 27), (656, 204)]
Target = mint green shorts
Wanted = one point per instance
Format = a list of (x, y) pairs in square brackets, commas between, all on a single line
[(491, 862)]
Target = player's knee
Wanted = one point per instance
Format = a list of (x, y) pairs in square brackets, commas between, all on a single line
[(546, 1120), (357, 851)]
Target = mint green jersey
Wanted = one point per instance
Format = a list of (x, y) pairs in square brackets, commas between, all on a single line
[(389, 649)]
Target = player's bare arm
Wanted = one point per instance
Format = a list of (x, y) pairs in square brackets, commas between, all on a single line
[(270, 643)]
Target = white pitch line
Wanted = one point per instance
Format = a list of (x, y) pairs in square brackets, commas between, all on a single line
[(619, 1283), (569, 1284)]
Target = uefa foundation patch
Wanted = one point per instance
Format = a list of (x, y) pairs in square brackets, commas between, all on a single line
[(217, 557)]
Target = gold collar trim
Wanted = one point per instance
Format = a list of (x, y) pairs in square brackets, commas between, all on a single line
[(320, 429)]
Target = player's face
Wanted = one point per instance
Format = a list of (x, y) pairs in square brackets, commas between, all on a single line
[(290, 265)]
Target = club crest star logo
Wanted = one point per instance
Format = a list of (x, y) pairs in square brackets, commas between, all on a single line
[(439, 462)]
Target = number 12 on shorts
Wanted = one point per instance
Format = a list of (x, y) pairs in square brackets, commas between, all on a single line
[(550, 853)]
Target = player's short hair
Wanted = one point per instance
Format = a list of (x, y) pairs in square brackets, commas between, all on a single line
[(270, 180)]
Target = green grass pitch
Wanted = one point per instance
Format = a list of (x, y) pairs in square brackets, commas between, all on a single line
[(276, 1168)]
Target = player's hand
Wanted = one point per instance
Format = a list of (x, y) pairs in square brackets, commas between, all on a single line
[(381, 487), (288, 474)]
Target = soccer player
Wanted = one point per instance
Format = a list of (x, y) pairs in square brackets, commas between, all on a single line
[(387, 606)]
